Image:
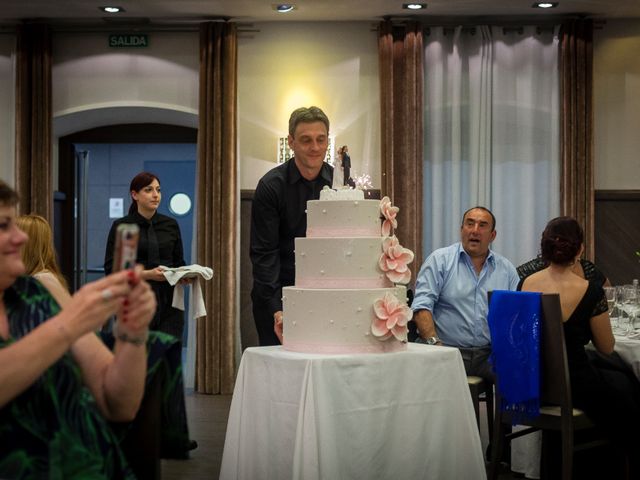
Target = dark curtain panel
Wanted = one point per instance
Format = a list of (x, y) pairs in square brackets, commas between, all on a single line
[(217, 206), (33, 120), (401, 86), (576, 126)]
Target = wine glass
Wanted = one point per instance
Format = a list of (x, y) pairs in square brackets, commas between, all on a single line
[(610, 294), (630, 305)]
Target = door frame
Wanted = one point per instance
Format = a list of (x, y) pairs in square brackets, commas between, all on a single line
[(121, 133)]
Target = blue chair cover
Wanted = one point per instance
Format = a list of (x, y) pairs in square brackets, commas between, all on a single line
[(514, 324)]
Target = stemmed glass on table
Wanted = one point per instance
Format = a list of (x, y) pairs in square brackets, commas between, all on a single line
[(631, 306), (611, 293)]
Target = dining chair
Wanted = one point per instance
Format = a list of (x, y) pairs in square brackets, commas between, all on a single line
[(556, 410), (482, 391)]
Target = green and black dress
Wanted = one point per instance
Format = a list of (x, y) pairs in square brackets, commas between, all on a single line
[(54, 428)]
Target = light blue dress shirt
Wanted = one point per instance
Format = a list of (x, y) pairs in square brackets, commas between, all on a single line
[(450, 289)]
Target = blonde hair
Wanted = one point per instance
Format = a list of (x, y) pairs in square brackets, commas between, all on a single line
[(39, 254)]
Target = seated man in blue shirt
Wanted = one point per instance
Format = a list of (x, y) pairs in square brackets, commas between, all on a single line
[(450, 305)]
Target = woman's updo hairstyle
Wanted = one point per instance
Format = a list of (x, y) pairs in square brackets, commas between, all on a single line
[(140, 181), (561, 240)]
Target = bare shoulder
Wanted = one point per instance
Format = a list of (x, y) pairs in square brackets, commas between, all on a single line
[(536, 282), (51, 283)]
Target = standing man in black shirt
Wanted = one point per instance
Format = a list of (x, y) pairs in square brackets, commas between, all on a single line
[(278, 215)]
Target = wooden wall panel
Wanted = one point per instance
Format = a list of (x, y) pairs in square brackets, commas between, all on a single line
[(617, 234), (248, 332)]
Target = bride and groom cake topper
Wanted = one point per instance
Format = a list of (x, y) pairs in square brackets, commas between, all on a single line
[(342, 169)]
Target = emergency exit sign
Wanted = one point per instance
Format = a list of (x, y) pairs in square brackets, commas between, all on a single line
[(128, 40)]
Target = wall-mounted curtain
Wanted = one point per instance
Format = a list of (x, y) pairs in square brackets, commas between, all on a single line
[(491, 133), (401, 83), (33, 120), (217, 208), (576, 125)]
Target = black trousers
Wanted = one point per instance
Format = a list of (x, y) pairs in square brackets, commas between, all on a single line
[(264, 325), (167, 319)]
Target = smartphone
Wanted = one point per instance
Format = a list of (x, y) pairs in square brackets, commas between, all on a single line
[(126, 249)]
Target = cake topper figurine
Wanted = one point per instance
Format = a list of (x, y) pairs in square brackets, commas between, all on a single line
[(342, 169)]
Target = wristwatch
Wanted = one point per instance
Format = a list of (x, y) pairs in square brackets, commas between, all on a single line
[(432, 340)]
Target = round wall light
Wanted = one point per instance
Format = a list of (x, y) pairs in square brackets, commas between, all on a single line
[(180, 204)]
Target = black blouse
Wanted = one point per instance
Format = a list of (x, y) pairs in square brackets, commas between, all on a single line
[(591, 272), (169, 241)]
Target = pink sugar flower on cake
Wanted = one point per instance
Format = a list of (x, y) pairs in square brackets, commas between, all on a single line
[(389, 213), (391, 318), (394, 260)]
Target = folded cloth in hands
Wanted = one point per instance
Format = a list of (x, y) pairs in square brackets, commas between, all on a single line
[(174, 275)]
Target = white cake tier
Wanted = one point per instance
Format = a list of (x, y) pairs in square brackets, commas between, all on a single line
[(343, 218), (342, 193), (339, 263), (335, 321)]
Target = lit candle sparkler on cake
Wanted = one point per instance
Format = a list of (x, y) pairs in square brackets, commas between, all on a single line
[(363, 181)]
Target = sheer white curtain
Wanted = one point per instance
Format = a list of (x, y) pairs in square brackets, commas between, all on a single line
[(491, 133)]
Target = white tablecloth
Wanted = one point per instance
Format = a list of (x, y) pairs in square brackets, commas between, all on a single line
[(525, 451), (629, 350), (404, 415)]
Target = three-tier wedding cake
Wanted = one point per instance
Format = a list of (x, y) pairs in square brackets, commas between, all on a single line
[(349, 295)]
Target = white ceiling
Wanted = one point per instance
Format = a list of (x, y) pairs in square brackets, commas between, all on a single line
[(178, 11)]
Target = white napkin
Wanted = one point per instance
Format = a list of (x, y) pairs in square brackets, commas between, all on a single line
[(173, 276)]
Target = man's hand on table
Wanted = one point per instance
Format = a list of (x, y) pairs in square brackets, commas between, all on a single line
[(277, 324)]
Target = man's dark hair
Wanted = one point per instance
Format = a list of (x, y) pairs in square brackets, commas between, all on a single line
[(493, 218), (307, 115)]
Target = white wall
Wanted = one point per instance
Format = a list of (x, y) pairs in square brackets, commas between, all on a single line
[(87, 74), (288, 65), (7, 107), (617, 105), (95, 85)]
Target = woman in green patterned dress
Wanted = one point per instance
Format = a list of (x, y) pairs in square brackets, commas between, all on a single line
[(164, 363), (60, 384)]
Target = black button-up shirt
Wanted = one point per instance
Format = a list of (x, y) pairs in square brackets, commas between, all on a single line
[(169, 241), (278, 216)]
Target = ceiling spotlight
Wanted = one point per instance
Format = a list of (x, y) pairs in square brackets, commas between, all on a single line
[(284, 7), (545, 5), (112, 9), (414, 6)]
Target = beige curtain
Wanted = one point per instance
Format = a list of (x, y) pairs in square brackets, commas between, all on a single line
[(33, 120), (217, 206), (576, 126), (401, 86)]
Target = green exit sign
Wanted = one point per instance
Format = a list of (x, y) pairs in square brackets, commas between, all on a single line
[(128, 40)]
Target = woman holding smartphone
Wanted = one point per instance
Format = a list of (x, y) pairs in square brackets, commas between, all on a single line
[(160, 245), (59, 384)]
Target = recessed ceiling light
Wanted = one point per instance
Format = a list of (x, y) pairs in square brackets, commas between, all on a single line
[(284, 7), (414, 6), (111, 9), (545, 5)]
